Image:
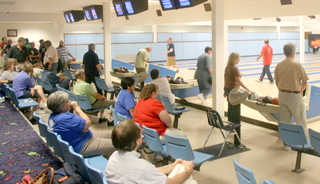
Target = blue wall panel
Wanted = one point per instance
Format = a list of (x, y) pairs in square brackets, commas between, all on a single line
[(253, 48), (70, 39), (176, 37), (143, 37), (113, 51), (201, 47), (178, 47), (113, 38), (85, 38), (124, 38), (232, 36), (232, 47), (242, 48), (241, 36), (99, 38), (157, 51), (204, 36), (162, 37), (81, 50), (189, 37), (100, 51), (125, 49), (190, 50)]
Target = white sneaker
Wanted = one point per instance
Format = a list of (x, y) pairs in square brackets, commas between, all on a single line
[(201, 97), (40, 111), (257, 80), (271, 82), (45, 105), (2, 99), (287, 148), (205, 102)]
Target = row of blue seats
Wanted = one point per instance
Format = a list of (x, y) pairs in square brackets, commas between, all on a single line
[(90, 168)]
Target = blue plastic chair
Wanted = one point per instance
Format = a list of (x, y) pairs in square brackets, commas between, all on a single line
[(98, 162), (97, 176), (65, 151), (43, 129), (36, 116), (86, 106), (315, 140), (56, 145), (177, 113), (22, 103), (61, 88), (5, 89), (154, 143), (121, 117), (293, 135), (245, 175), (179, 147), (67, 73), (72, 96), (103, 86), (115, 116)]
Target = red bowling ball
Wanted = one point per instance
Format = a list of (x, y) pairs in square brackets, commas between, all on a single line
[(275, 101)]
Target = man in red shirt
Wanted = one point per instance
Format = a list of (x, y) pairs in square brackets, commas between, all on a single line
[(2, 44), (267, 54)]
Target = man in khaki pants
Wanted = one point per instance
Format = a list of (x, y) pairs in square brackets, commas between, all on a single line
[(291, 80)]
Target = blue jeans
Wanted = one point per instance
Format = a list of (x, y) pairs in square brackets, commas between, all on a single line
[(266, 70), (5, 56)]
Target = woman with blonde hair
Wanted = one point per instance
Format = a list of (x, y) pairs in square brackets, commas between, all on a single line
[(9, 72), (232, 79), (25, 87), (150, 112)]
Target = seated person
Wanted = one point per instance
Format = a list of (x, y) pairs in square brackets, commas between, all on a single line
[(9, 72), (2, 81), (75, 128), (150, 112), (125, 102), (55, 78), (97, 101), (37, 71), (126, 166), (25, 87), (163, 84)]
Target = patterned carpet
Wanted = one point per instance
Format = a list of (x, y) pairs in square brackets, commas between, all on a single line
[(22, 151)]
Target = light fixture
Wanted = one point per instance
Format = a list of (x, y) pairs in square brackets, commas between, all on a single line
[(256, 18), (311, 16), (278, 19)]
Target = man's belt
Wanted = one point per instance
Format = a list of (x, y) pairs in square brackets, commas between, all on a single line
[(287, 91)]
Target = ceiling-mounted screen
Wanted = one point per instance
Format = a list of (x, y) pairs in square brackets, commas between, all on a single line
[(66, 16), (167, 4), (119, 10), (87, 15), (71, 17), (129, 8), (94, 14), (184, 3)]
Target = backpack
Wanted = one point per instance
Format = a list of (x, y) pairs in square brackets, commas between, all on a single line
[(66, 175)]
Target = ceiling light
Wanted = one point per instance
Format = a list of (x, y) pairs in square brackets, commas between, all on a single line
[(278, 19), (256, 18), (311, 16)]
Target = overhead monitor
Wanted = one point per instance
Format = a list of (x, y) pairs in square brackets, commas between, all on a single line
[(129, 8), (118, 8), (93, 12), (184, 3), (66, 16), (188, 3), (167, 4), (73, 16), (87, 15)]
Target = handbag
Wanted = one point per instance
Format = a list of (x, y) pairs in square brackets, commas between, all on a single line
[(40, 178), (237, 96), (65, 175)]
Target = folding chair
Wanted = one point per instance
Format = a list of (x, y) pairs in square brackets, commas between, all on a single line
[(103, 86), (315, 140), (56, 143), (115, 116), (86, 106), (67, 73), (97, 176), (214, 120)]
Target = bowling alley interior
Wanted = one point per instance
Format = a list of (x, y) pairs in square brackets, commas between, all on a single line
[(120, 31)]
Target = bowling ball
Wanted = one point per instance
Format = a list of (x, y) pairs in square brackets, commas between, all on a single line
[(122, 70), (179, 80), (253, 96), (170, 79), (126, 69), (267, 99), (275, 101), (115, 69)]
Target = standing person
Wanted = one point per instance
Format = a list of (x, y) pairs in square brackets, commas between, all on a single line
[(42, 50), (266, 53), (163, 84), (203, 74), (64, 52), (19, 52), (6, 49), (232, 79), (92, 66), (33, 53), (141, 60), (51, 55), (2, 44), (126, 166), (291, 80), (171, 56), (27, 44)]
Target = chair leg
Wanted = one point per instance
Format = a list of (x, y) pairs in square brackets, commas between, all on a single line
[(298, 169), (197, 168), (225, 140), (222, 133), (176, 119), (207, 139), (112, 96), (235, 132)]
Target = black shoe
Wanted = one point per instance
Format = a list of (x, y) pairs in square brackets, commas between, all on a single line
[(101, 120), (33, 121), (111, 123)]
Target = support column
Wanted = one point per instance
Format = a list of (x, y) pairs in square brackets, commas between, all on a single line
[(61, 31), (107, 42), (302, 43), (218, 55), (279, 33), (155, 33)]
